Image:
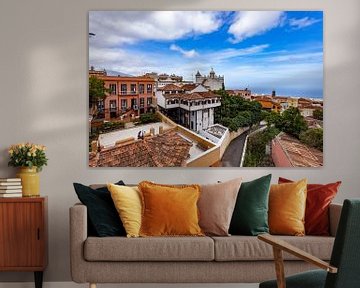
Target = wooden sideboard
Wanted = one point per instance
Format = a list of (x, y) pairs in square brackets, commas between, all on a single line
[(23, 235)]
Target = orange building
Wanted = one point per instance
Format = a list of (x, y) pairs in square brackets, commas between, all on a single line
[(267, 103), (127, 95)]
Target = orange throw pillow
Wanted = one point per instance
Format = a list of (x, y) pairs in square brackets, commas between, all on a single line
[(169, 210), (287, 204), (318, 200)]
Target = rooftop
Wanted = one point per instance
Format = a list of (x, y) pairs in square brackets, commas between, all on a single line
[(166, 150), (217, 130), (192, 96), (299, 154)]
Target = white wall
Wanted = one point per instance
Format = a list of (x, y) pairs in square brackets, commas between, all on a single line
[(43, 80)]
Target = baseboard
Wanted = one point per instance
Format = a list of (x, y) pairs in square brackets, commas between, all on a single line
[(74, 285)]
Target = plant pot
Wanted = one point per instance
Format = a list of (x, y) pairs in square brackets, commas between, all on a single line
[(30, 181)]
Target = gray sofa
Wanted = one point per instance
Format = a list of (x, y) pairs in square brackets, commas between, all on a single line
[(234, 259)]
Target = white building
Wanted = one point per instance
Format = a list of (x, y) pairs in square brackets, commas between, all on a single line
[(162, 80), (211, 81), (190, 105)]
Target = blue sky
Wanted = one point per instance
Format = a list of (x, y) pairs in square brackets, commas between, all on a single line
[(259, 50)]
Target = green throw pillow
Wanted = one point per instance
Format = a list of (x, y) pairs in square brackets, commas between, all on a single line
[(103, 218), (250, 216)]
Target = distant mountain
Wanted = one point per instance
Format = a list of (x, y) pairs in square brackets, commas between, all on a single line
[(116, 73)]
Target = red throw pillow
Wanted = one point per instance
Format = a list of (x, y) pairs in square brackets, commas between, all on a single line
[(319, 197)]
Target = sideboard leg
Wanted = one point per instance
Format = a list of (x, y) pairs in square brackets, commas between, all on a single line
[(38, 279), (92, 285)]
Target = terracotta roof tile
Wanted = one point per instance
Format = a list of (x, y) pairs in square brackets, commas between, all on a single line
[(170, 87), (299, 154), (189, 87), (192, 96), (166, 150)]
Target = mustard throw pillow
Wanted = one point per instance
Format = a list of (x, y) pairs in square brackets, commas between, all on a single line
[(169, 210), (127, 201), (287, 204)]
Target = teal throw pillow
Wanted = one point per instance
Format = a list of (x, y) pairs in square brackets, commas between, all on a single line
[(250, 216)]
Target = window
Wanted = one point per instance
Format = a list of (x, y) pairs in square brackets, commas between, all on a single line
[(142, 102), (112, 88), (123, 89), (141, 88), (123, 104), (149, 88), (149, 101), (112, 104), (134, 103), (100, 105), (133, 88)]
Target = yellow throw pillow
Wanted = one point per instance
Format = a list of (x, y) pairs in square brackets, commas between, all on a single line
[(287, 204), (127, 201), (169, 210)]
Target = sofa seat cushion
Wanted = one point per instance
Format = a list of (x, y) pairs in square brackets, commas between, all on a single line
[(149, 249), (244, 248)]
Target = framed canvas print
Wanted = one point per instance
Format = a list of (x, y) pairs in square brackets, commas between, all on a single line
[(205, 88)]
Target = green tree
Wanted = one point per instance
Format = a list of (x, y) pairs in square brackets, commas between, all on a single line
[(236, 112), (149, 118), (273, 118), (255, 152), (318, 114), (313, 137), (292, 122), (97, 90)]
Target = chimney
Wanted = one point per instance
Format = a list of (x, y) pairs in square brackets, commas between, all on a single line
[(92, 68), (273, 94)]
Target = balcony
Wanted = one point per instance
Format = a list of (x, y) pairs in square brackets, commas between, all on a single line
[(129, 93)]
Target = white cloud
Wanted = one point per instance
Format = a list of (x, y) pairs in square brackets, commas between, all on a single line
[(225, 54), (251, 23), (118, 27), (298, 57), (302, 22), (187, 53)]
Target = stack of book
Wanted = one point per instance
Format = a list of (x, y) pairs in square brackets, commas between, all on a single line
[(10, 187)]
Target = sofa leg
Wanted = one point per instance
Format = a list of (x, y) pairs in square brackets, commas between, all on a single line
[(92, 285)]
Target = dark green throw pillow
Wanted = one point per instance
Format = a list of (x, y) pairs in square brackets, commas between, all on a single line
[(103, 219), (250, 216)]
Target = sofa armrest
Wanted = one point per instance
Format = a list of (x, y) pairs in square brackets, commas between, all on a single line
[(334, 217), (78, 235)]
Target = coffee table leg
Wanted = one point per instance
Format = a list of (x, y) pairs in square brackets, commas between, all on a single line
[(38, 279)]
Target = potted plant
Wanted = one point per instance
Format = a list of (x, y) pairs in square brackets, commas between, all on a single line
[(30, 158)]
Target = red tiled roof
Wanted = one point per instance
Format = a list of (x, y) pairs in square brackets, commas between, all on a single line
[(299, 154), (165, 150), (192, 96), (170, 87), (189, 87)]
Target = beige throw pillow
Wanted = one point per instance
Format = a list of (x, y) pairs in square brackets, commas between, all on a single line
[(216, 206)]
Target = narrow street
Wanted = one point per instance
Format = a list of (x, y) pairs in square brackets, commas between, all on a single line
[(233, 153)]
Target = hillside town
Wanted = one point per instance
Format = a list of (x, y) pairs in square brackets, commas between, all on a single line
[(161, 120)]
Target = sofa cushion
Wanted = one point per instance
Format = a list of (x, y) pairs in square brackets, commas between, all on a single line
[(216, 206), (149, 249), (102, 215), (244, 248), (250, 215), (169, 210)]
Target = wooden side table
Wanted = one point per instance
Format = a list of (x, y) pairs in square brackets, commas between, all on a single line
[(23, 235)]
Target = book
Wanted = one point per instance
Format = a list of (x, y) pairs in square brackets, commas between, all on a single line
[(10, 187), (10, 180), (10, 191), (10, 195), (10, 183)]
